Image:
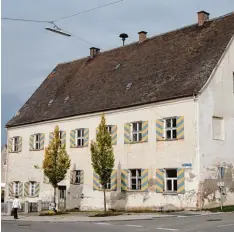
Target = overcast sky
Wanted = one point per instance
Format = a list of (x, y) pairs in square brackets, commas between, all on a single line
[(29, 52)]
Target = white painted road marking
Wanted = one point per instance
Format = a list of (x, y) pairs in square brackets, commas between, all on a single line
[(167, 229), (226, 225), (134, 226), (103, 223)]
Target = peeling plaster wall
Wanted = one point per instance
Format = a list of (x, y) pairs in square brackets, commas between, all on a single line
[(217, 100), (150, 155)]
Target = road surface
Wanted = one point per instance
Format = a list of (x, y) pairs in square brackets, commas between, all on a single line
[(180, 223)]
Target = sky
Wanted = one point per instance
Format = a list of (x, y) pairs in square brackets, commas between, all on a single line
[(30, 53)]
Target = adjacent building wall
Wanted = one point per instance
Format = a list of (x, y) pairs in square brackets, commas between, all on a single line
[(217, 100), (150, 155)]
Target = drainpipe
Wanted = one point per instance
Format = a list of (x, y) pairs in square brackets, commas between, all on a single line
[(197, 143)]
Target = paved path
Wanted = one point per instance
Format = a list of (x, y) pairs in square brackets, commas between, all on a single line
[(207, 223)]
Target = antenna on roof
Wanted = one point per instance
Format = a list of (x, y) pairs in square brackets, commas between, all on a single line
[(123, 36)]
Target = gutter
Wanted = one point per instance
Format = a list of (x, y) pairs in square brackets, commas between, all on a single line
[(216, 66)]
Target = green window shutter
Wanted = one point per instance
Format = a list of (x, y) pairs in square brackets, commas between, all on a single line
[(96, 181), (37, 189), (114, 134), (159, 180), (145, 131), (114, 180), (20, 189), (10, 189), (9, 145), (26, 189), (82, 177), (180, 127), (160, 129), (144, 180), (124, 179), (42, 141), (51, 137), (31, 143), (72, 176), (86, 137), (20, 144), (127, 133), (72, 138), (63, 138), (180, 180)]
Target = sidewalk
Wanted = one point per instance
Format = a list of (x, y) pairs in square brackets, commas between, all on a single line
[(76, 218), (80, 218)]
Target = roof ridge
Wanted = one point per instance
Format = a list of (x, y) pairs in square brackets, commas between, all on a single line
[(152, 37)]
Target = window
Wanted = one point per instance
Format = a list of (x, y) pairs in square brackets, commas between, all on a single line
[(136, 131), (218, 128), (77, 177), (171, 180), (16, 188), (80, 137), (108, 184), (37, 142), (15, 144), (135, 179), (60, 137), (108, 129), (32, 187), (62, 192), (170, 128)]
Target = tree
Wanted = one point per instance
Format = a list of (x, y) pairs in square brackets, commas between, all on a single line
[(56, 162), (103, 156)]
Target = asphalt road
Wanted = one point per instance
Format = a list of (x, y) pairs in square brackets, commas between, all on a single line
[(210, 223)]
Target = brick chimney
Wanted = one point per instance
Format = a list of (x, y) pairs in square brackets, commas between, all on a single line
[(142, 36), (203, 16), (93, 52)]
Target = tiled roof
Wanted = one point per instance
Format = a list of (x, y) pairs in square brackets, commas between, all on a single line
[(168, 66)]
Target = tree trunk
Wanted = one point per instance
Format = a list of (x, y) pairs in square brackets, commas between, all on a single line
[(55, 199), (104, 192)]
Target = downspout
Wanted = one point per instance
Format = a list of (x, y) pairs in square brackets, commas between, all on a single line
[(197, 145)]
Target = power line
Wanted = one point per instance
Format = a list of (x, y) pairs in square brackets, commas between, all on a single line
[(69, 16), (27, 20), (85, 11)]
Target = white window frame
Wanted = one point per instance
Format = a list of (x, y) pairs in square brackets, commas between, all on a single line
[(32, 186), (80, 138), (15, 144), (137, 178), (37, 143), (78, 176), (108, 184), (137, 132), (172, 179), (171, 128), (16, 186), (109, 129)]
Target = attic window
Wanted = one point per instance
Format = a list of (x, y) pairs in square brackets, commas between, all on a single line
[(128, 86), (50, 102), (117, 66)]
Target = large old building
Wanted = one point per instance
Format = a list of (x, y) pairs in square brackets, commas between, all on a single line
[(169, 105)]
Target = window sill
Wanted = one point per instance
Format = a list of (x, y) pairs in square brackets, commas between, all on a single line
[(168, 140), (170, 193), (137, 142), (14, 151)]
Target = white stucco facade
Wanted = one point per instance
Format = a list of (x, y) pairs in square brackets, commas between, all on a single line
[(197, 148)]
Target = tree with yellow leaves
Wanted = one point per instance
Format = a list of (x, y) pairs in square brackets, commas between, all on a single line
[(56, 162)]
